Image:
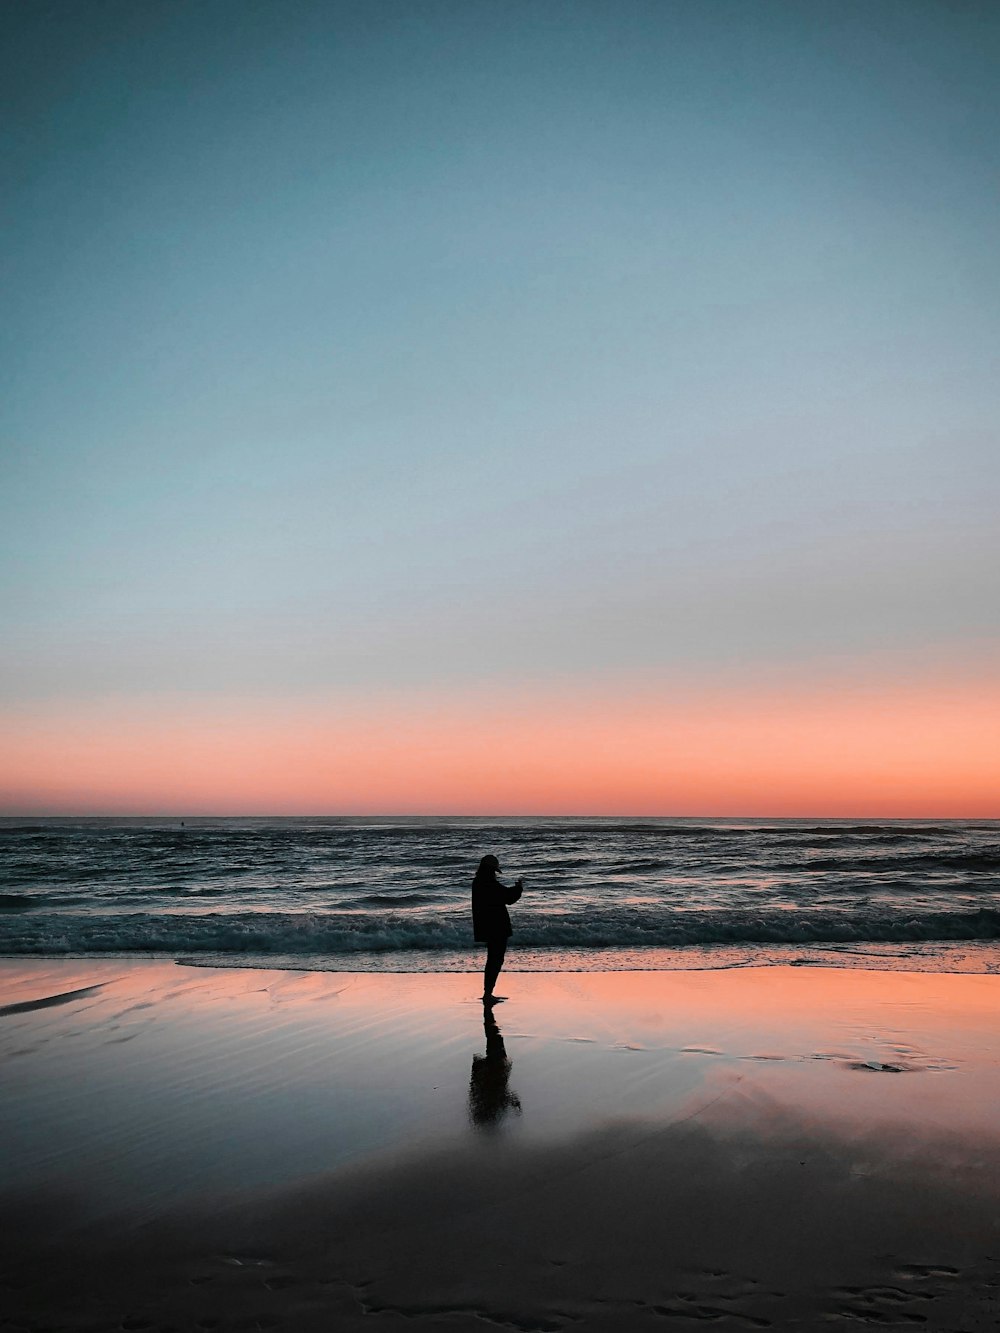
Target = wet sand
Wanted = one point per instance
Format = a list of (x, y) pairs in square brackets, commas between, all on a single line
[(191, 1148)]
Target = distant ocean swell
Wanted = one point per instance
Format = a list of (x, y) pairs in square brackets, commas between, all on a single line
[(336, 933), (393, 894)]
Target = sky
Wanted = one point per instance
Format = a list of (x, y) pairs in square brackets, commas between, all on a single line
[(452, 407)]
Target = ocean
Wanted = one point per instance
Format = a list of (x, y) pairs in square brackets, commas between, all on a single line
[(385, 894)]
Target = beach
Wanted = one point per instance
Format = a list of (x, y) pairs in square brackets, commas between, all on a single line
[(483, 475), (211, 1148)]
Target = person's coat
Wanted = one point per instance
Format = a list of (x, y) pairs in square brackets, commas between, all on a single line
[(490, 918)]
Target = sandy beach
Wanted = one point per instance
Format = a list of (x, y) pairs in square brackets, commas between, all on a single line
[(196, 1148)]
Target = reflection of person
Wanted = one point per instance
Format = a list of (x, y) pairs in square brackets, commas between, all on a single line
[(491, 920), (489, 1096)]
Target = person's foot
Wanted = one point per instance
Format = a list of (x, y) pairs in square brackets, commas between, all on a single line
[(494, 999)]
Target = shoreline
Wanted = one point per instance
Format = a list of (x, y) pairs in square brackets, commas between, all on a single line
[(760, 1147), (958, 957)]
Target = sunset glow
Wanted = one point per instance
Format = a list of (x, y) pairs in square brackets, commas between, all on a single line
[(883, 749)]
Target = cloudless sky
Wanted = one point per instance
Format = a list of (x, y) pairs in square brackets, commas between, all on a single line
[(357, 356)]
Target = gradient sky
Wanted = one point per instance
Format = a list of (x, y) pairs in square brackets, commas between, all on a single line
[(408, 406)]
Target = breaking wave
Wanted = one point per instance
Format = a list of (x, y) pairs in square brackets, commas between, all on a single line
[(345, 933)]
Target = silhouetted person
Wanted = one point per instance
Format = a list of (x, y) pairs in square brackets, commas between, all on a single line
[(491, 920), (489, 1096)]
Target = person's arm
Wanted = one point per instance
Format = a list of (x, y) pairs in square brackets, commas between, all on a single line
[(512, 895)]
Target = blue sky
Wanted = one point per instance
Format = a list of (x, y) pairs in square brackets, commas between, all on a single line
[(421, 344)]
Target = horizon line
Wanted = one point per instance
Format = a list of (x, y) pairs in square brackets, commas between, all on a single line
[(895, 819)]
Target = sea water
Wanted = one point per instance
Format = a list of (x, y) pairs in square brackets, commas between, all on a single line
[(393, 894)]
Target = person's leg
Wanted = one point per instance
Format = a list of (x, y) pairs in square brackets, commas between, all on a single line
[(495, 951)]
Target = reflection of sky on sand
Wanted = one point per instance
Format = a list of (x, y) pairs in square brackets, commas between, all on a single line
[(170, 1082)]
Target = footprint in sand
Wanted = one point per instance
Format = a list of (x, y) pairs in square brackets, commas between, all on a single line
[(884, 1304), (927, 1270), (280, 1281)]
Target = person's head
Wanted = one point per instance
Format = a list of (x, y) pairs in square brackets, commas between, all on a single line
[(489, 865)]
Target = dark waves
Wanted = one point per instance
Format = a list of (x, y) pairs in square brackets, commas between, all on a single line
[(345, 886), (339, 933)]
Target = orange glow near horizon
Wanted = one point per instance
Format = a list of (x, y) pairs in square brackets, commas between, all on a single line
[(912, 750)]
